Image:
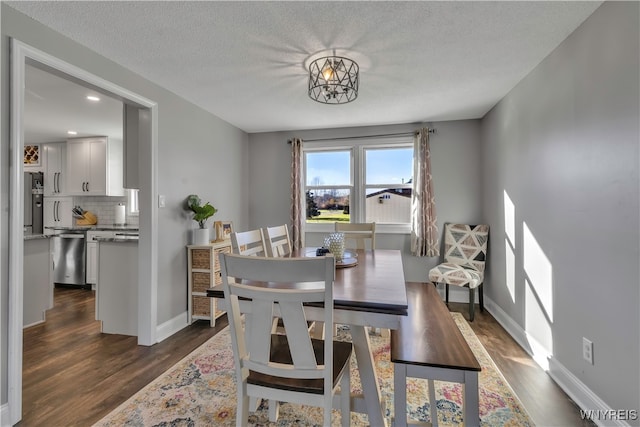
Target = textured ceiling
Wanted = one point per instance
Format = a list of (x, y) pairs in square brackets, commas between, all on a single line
[(244, 61)]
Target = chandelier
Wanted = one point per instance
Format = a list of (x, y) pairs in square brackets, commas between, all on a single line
[(333, 80)]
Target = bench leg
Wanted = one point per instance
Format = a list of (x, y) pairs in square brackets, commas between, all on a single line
[(471, 399), (400, 394), (433, 409)]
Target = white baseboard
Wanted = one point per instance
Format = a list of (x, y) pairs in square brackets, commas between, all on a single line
[(171, 326), (4, 415), (582, 395)]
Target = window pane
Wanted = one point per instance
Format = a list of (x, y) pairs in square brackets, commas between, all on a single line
[(389, 165), (328, 168), (328, 205), (390, 205)]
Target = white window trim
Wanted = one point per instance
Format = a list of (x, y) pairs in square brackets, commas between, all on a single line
[(357, 194)]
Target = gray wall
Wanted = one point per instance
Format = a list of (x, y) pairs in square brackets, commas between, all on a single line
[(197, 153), (564, 145), (455, 154)]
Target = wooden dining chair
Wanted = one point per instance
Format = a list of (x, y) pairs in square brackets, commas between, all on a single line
[(356, 235), (277, 240), (249, 243), (293, 367)]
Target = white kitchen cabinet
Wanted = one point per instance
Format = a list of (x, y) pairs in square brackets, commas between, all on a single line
[(92, 253), (55, 159), (94, 167), (57, 213)]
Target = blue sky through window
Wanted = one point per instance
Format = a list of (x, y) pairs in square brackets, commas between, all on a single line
[(384, 166)]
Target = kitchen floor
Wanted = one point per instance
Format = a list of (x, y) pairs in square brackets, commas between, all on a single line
[(73, 375)]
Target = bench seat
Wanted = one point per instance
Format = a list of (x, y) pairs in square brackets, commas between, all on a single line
[(429, 345)]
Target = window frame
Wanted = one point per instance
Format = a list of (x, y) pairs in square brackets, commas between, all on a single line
[(358, 185), (133, 201)]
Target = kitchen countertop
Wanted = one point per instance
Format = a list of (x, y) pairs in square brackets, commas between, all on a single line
[(35, 236), (97, 227), (120, 239)]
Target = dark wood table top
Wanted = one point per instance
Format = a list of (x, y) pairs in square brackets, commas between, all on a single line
[(375, 284), (429, 336)]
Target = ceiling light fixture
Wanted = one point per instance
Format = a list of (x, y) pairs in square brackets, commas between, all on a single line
[(93, 98), (72, 132), (333, 80)]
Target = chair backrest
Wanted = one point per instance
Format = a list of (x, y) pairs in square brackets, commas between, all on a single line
[(277, 240), (466, 245), (356, 234), (289, 288), (248, 243)]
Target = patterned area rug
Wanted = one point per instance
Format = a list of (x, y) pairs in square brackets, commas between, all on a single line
[(200, 391)]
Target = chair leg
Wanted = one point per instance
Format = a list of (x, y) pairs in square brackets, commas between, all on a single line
[(481, 295), (242, 414), (472, 298), (446, 293), (274, 410), (345, 398)]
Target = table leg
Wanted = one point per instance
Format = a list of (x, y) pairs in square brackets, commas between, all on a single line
[(368, 376)]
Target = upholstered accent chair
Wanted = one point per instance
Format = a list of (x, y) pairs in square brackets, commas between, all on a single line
[(465, 254)]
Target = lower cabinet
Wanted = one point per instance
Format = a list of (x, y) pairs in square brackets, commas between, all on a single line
[(204, 272)]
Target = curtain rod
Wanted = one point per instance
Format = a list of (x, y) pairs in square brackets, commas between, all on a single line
[(383, 135)]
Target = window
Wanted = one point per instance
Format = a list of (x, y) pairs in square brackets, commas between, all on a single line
[(132, 202), (364, 182)]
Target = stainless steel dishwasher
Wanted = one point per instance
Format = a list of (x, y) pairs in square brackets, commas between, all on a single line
[(69, 259)]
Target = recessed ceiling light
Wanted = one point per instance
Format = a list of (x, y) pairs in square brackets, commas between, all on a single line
[(93, 98), (72, 132)]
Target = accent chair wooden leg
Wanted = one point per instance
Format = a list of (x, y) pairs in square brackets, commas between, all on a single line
[(481, 295), (472, 299), (446, 293)]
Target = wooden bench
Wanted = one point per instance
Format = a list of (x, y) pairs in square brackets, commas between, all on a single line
[(429, 345)]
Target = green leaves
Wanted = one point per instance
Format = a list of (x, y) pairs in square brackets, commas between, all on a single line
[(201, 213)]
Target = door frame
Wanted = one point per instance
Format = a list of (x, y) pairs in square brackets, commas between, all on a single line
[(22, 53)]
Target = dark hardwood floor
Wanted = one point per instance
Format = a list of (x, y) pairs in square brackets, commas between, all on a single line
[(73, 375)]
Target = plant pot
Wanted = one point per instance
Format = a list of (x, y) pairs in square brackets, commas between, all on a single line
[(201, 236)]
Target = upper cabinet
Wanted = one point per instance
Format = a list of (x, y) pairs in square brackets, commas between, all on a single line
[(94, 167), (55, 159)]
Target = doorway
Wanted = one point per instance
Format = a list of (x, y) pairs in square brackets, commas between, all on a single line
[(21, 54)]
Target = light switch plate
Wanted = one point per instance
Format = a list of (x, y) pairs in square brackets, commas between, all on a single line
[(162, 201)]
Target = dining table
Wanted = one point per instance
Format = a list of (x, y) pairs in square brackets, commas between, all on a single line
[(369, 291)]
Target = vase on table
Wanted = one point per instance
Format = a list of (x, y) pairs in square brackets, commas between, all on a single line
[(201, 236), (335, 243)]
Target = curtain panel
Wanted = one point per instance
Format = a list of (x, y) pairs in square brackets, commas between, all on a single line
[(424, 232), (298, 212)]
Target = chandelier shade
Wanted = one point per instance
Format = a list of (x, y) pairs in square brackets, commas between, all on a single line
[(333, 80)]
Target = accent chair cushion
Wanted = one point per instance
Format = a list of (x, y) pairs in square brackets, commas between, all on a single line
[(454, 274)]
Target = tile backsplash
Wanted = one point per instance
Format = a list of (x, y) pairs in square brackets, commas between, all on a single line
[(104, 208)]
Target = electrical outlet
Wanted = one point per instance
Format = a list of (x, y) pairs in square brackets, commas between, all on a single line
[(587, 350)]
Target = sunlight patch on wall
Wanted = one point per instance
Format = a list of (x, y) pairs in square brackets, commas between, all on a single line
[(510, 245), (510, 269), (539, 271), (537, 328), (509, 219)]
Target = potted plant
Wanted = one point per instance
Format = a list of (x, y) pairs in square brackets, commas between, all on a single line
[(201, 213)]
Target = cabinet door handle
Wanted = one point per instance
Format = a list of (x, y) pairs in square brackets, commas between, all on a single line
[(55, 210), (87, 186), (58, 182), (83, 186), (55, 178)]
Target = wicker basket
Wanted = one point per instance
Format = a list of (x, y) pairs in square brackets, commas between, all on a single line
[(200, 282), (200, 258), (201, 306)]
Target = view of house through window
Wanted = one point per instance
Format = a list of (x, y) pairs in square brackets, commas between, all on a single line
[(361, 183)]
